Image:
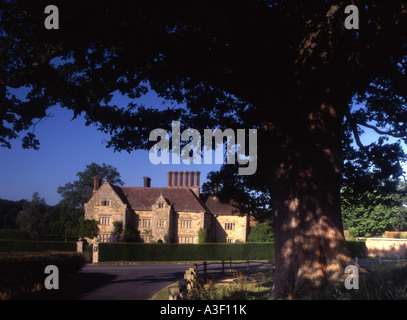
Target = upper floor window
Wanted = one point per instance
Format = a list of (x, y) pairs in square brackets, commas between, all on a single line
[(105, 221), (185, 223), (230, 226), (161, 205), (105, 203), (144, 223)]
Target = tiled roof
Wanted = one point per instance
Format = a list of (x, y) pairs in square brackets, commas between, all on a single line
[(142, 198), (220, 208)]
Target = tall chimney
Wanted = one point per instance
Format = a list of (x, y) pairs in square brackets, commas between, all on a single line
[(181, 179), (175, 178), (195, 185), (191, 176), (186, 178), (147, 182), (169, 178), (96, 183), (197, 176)]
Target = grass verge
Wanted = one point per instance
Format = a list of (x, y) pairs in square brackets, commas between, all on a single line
[(381, 282)]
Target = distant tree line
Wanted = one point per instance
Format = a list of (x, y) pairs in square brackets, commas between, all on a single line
[(35, 218)]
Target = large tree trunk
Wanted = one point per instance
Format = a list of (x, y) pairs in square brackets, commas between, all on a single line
[(310, 247)]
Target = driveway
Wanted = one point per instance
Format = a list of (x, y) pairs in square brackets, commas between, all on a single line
[(137, 282), (128, 282)]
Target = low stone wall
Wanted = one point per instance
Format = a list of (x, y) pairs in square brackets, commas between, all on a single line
[(396, 234), (386, 247)]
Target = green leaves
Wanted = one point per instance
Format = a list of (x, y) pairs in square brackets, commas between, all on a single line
[(75, 194), (371, 213)]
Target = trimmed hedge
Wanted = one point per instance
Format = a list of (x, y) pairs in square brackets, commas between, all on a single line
[(35, 246), (185, 252), (357, 248), (23, 272), (199, 252), (166, 252)]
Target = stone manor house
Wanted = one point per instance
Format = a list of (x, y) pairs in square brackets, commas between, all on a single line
[(177, 211)]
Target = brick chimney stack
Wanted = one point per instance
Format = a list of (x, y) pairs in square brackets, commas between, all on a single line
[(147, 182), (195, 184), (96, 183), (169, 178), (191, 178), (181, 178), (184, 179), (197, 177), (175, 178)]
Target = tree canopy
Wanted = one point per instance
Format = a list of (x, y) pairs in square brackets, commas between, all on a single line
[(75, 194)]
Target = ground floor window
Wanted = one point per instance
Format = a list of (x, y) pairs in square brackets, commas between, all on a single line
[(104, 237), (146, 238), (230, 240), (186, 239)]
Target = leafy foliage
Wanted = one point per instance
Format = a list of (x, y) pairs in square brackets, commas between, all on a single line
[(75, 194), (202, 236), (8, 213), (33, 218), (262, 232), (371, 213), (89, 228)]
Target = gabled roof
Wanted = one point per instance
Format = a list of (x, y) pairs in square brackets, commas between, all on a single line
[(218, 207), (142, 198)]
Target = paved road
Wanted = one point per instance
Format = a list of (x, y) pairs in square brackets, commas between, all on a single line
[(137, 282), (128, 282)]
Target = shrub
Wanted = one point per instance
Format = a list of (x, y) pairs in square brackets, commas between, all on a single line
[(357, 248), (89, 228), (202, 236), (36, 246), (13, 234), (262, 232), (23, 273)]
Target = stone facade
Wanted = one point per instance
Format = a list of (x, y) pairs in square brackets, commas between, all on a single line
[(176, 213), (105, 206), (231, 228)]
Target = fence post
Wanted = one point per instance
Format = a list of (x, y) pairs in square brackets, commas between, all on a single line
[(223, 266), (204, 268), (247, 265)]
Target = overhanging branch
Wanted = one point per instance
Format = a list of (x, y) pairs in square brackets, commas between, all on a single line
[(377, 130), (353, 125)]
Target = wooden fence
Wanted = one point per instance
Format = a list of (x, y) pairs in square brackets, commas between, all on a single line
[(201, 270)]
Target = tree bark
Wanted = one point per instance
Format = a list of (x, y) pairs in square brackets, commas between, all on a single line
[(310, 247)]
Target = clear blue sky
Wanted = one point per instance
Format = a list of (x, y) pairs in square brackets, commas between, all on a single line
[(66, 148)]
